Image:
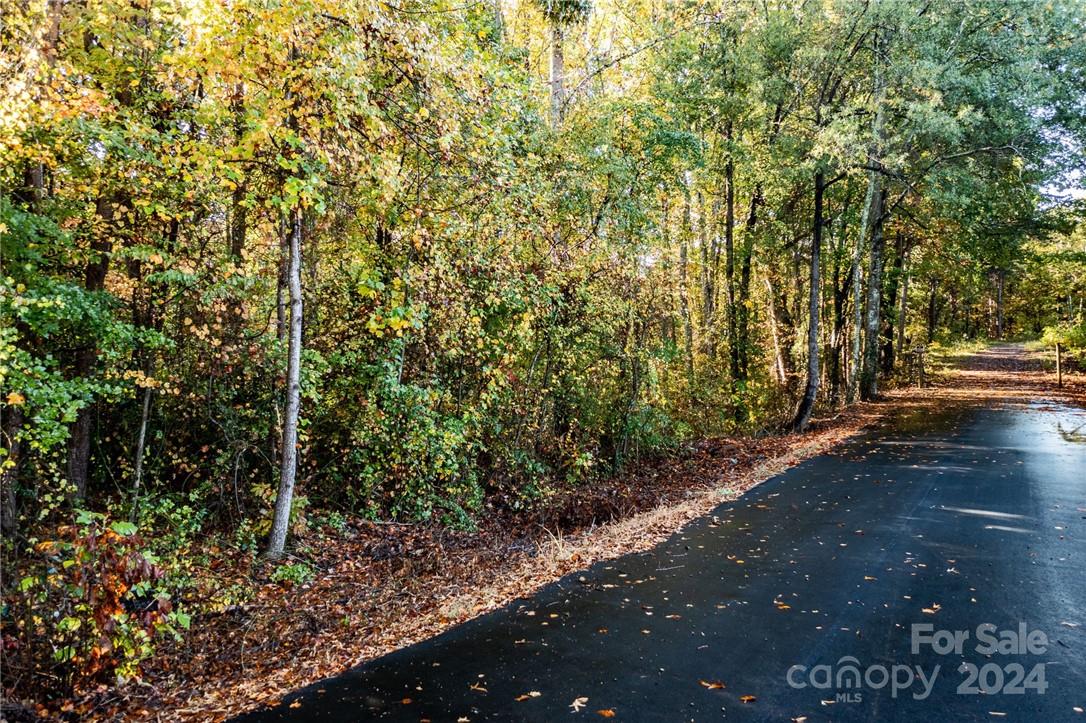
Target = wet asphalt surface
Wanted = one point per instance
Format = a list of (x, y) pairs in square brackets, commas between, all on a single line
[(969, 517)]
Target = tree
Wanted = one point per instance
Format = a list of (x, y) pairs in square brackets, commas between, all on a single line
[(288, 469), (560, 14)]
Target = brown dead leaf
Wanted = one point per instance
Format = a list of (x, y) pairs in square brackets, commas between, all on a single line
[(748, 698), (606, 713), (713, 684)]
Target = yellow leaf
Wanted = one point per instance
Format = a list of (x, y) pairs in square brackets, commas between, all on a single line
[(15, 399)]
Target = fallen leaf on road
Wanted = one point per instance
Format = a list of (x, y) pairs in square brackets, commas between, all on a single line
[(577, 704), (713, 684), (748, 698), (528, 696), (606, 713)]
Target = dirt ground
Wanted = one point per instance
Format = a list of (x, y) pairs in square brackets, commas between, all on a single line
[(380, 587)]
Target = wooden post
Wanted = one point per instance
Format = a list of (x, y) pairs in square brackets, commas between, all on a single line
[(1059, 365), (918, 365)]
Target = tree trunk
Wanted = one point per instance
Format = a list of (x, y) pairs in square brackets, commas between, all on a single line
[(684, 299), (810, 394), (857, 292), (558, 71), (933, 287), (840, 297), (778, 356), (837, 342), (281, 284), (889, 306), (94, 279), (869, 372), (9, 474), (1059, 365), (868, 218), (742, 332), (289, 458), (239, 214), (902, 314), (706, 276), (729, 269), (141, 445)]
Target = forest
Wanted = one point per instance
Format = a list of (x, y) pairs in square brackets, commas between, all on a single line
[(268, 267)]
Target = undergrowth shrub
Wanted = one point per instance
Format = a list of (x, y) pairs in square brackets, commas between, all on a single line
[(87, 607)]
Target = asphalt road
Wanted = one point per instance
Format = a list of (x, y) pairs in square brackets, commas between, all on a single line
[(967, 518)]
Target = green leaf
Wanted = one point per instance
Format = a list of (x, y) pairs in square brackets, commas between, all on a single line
[(124, 528)]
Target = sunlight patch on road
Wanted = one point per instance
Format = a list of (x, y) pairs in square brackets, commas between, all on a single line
[(1004, 528), (984, 513)]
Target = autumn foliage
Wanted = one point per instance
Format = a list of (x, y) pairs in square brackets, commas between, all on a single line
[(289, 266), (88, 611)]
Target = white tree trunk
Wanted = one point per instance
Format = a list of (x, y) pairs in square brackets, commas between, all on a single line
[(871, 197), (141, 446), (289, 460), (558, 72)]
